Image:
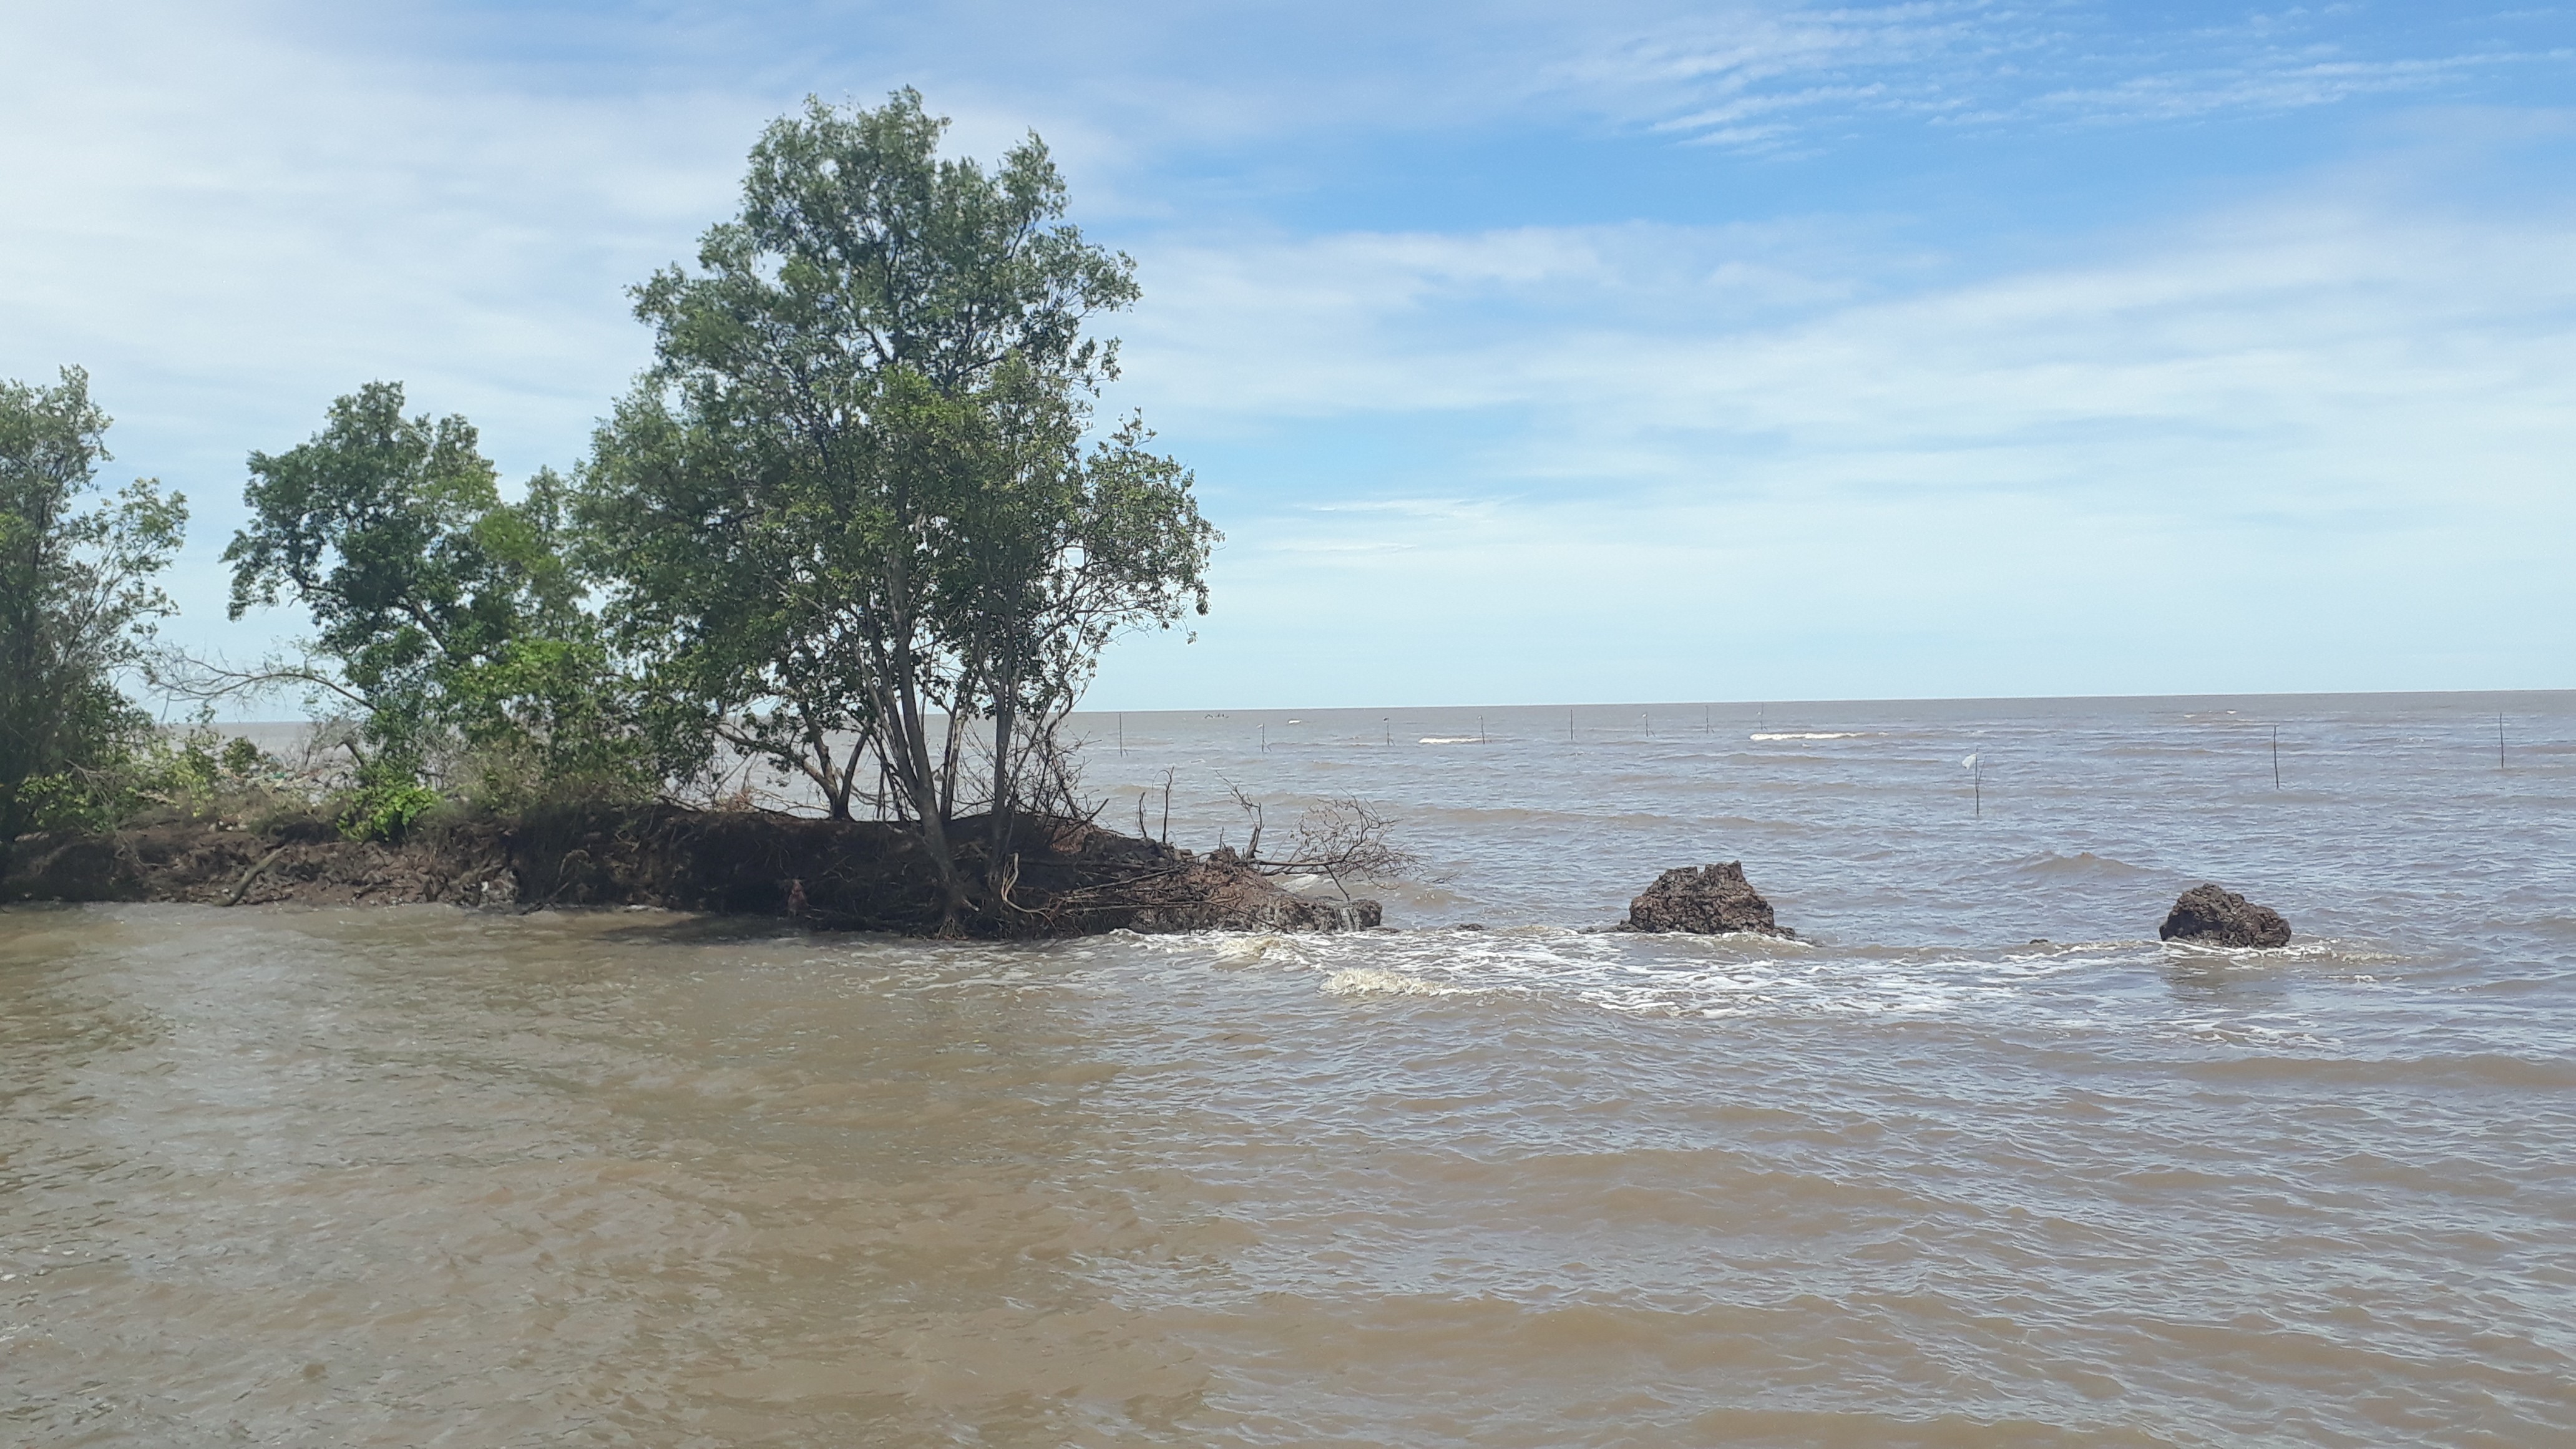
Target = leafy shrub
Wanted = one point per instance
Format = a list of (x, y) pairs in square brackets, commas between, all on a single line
[(385, 807), (242, 759), (64, 801)]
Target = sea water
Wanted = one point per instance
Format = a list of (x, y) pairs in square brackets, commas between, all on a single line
[(1975, 1160)]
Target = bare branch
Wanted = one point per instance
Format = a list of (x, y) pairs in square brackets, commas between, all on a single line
[(1342, 840), (184, 676)]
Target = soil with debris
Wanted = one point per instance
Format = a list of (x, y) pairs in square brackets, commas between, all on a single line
[(1058, 878)]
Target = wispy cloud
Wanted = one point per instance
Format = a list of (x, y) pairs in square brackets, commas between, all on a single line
[(2333, 416), (1161, 78), (2246, 322), (1765, 77), (2270, 83)]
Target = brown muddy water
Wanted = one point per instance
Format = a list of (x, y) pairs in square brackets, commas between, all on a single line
[(424, 1176)]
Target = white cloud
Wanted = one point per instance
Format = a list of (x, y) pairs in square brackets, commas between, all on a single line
[(2270, 83), (229, 223), (2344, 405), (2332, 430), (1760, 77), (2311, 316)]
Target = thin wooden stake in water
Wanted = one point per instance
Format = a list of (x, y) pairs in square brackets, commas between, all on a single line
[(2499, 739), (1265, 738), (1480, 729), (1648, 716), (1122, 739), (1977, 786), (1390, 731), (2276, 757)]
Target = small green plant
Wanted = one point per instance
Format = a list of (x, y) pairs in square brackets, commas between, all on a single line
[(185, 775), (385, 807)]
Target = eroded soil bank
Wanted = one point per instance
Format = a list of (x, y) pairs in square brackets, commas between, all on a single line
[(1058, 878)]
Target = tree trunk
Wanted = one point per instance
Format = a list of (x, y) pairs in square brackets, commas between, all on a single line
[(835, 785), (1006, 699), (920, 780)]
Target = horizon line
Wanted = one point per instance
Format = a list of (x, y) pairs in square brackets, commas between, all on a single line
[(1759, 701)]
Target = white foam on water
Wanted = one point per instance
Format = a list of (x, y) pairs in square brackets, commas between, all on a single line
[(1708, 978), (1451, 740), (1817, 735), (1377, 981), (1732, 983), (1244, 950), (2254, 1034), (2301, 948)]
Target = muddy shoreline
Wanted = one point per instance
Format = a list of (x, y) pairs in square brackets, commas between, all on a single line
[(1059, 878)]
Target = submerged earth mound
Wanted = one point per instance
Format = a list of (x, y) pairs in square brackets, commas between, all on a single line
[(2213, 917), (1706, 900)]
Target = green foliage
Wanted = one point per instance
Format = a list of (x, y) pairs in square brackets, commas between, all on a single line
[(371, 524), (852, 494), (77, 606), (67, 801), (195, 774), (385, 806), (187, 771), (452, 618), (860, 492)]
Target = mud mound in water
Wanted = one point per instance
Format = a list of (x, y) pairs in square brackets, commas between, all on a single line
[(1711, 900), (2213, 915)]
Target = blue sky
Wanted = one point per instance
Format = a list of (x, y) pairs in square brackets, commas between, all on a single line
[(1525, 353)]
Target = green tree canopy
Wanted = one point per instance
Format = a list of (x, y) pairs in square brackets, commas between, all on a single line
[(854, 494), (439, 606), (77, 601)]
